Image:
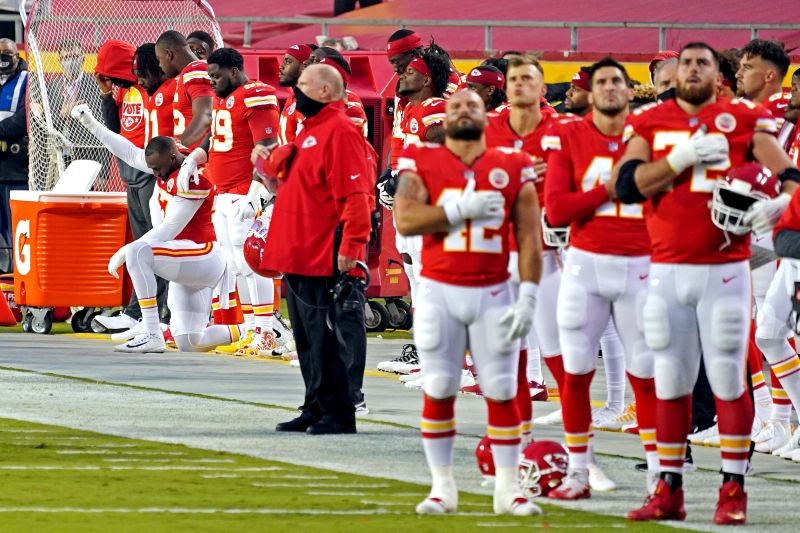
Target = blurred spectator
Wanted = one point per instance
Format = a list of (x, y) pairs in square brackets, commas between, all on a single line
[(728, 65), (201, 43), (577, 101), (344, 6), (72, 88), (665, 78), (13, 140), (332, 42)]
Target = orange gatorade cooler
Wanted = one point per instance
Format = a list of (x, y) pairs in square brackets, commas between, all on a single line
[(62, 244)]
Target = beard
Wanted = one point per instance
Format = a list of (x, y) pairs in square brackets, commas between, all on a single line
[(467, 132), (612, 109), (695, 95)]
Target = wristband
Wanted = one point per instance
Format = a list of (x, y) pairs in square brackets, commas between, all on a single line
[(528, 289), (453, 213)]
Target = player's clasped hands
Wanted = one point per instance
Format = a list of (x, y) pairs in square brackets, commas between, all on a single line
[(474, 205)]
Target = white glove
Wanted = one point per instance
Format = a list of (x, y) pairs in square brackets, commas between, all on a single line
[(700, 148), (764, 214), (474, 205), (521, 313), (246, 207), (188, 171), (386, 199), (84, 115), (116, 261)]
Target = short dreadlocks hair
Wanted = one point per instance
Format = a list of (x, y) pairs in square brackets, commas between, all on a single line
[(440, 71)]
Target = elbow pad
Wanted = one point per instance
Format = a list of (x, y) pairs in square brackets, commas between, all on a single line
[(627, 190)]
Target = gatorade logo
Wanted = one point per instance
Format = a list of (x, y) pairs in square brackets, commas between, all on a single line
[(22, 248)]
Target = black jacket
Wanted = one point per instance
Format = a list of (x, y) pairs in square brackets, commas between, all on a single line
[(14, 139)]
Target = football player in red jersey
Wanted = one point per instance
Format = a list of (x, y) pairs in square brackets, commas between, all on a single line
[(523, 126), (180, 248), (291, 67), (159, 119), (606, 267), (698, 301), (193, 97), (461, 198), (245, 114), (763, 66), (490, 85), (577, 101)]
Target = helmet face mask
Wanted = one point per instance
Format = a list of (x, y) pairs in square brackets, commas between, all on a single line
[(554, 236), (734, 194), (254, 245), (542, 466)]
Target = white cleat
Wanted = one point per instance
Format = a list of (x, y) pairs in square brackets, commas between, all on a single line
[(790, 447), (128, 334), (712, 441), (574, 487), (515, 505), (795, 456), (602, 419), (408, 356), (604, 416), (467, 379), (415, 383), (598, 480), (409, 377), (652, 481), (553, 419), (143, 343), (773, 436), (437, 505), (758, 425), (121, 322), (701, 436)]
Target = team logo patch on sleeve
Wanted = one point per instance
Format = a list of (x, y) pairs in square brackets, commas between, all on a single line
[(725, 122), (159, 99), (309, 142), (499, 178), (230, 102), (413, 126)]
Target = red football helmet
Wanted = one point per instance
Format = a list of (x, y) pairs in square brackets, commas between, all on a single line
[(542, 466), (254, 249), (483, 453), (737, 191)]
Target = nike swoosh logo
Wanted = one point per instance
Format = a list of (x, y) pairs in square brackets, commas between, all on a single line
[(643, 277), (495, 293), (354, 176), (725, 281)]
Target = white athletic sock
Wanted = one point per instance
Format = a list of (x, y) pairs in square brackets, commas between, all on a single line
[(534, 369), (614, 365)]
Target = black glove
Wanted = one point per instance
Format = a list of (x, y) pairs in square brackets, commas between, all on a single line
[(387, 187)]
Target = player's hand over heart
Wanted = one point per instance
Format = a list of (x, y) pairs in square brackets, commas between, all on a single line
[(540, 167), (116, 261), (701, 147), (474, 205), (520, 316), (764, 214)]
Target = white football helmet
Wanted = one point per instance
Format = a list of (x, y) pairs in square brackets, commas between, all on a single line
[(557, 237), (737, 191)]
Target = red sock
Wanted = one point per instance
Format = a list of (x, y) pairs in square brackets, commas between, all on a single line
[(556, 366), (735, 419), (673, 418), (644, 392), (276, 294), (576, 409), (504, 432), (227, 316), (438, 428), (523, 398)]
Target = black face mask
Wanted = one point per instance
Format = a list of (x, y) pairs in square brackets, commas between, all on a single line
[(6, 63), (307, 106), (669, 94)]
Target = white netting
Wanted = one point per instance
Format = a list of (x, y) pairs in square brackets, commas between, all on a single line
[(59, 30)]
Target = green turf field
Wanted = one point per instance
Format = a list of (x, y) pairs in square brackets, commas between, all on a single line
[(60, 479)]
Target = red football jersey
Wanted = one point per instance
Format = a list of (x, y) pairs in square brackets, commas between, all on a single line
[(130, 103), (354, 108), (397, 140), (193, 82), (581, 162), (419, 117), (500, 133), (199, 229), (794, 149), (777, 104), (678, 219), (289, 121), (159, 117), (791, 217), (474, 253), (248, 115)]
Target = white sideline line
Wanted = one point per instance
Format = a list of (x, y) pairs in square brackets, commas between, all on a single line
[(334, 493), (295, 476), (219, 476), (38, 438), (320, 485), (205, 510), (21, 430), (552, 526), (147, 468), (116, 452), (131, 460)]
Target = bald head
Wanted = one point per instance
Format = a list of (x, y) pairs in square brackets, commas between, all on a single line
[(466, 116), (321, 83)]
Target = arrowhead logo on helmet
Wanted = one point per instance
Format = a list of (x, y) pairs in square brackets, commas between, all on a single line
[(542, 467), (737, 191)]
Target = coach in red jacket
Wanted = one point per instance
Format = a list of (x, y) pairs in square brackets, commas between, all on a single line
[(320, 228)]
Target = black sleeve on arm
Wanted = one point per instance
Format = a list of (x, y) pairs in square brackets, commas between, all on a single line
[(627, 191), (790, 174), (787, 244), (110, 114), (16, 126)]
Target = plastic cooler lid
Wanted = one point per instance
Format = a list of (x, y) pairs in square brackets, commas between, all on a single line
[(47, 196)]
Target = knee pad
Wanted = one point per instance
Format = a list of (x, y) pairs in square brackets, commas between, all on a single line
[(133, 250), (428, 328), (185, 344), (655, 322), (774, 350), (762, 277), (729, 325), (768, 325), (579, 358), (571, 306), (498, 387), (639, 362), (725, 373), (673, 379), (440, 386)]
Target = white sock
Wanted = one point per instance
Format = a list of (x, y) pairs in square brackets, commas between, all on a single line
[(614, 365)]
